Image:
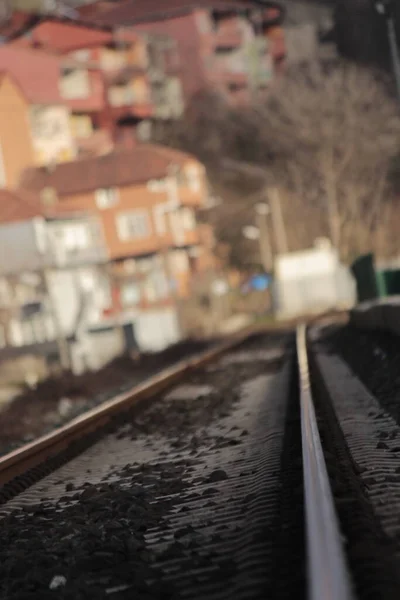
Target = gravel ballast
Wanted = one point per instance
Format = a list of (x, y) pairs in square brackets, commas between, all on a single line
[(171, 504)]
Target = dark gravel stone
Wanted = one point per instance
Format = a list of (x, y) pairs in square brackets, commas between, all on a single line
[(217, 475), (97, 537), (382, 446)]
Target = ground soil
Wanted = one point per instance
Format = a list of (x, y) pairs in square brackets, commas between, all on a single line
[(57, 400)]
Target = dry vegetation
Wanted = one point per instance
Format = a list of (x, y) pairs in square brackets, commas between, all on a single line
[(326, 138)]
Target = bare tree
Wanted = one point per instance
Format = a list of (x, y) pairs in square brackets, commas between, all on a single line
[(335, 135), (325, 137)]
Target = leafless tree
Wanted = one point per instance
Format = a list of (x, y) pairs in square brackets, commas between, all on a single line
[(336, 134), (326, 138)]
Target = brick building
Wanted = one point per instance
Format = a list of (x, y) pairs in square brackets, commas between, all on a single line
[(112, 78), (147, 200), (230, 46), (48, 119)]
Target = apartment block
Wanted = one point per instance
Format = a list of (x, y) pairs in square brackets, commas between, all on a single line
[(147, 200), (230, 46), (54, 287), (37, 76), (114, 80)]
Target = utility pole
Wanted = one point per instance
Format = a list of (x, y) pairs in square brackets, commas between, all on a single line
[(262, 212), (386, 9), (277, 220), (174, 206)]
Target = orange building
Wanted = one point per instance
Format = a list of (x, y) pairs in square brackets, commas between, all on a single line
[(113, 78), (147, 200), (224, 45), (16, 148)]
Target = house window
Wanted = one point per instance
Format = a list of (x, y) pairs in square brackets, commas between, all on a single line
[(133, 225), (130, 294), (82, 55), (179, 261), (74, 83), (76, 237), (157, 185), (106, 198)]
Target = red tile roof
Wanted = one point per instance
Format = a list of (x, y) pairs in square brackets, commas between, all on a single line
[(36, 73), (140, 11), (18, 206), (18, 23), (63, 37), (21, 23), (117, 169)]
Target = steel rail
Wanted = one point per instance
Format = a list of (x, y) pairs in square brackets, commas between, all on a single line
[(37, 452), (327, 571)]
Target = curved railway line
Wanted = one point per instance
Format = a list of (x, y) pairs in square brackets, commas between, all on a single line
[(260, 469)]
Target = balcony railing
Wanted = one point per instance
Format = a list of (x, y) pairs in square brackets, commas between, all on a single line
[(126, 96)]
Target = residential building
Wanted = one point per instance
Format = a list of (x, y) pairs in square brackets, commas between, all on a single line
[(38, 78), (54, 287), (147, 200), (112, 80), (16, 148), (223, 44)]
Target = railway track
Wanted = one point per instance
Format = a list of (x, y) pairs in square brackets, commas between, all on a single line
[(257, 470)]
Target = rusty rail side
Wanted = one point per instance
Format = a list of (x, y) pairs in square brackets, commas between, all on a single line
[(37, 452)]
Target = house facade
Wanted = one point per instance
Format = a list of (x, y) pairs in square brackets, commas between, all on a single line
[(16, 143), (54, 286), (38, 77), (147, 201), (230, 46), (112, 79)]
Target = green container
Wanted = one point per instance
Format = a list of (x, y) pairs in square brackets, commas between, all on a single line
[(388, 282), (364, 273)]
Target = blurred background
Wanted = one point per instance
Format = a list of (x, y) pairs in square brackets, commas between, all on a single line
[(173, 171)]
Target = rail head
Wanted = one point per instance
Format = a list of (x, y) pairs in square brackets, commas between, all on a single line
[(328, 575)]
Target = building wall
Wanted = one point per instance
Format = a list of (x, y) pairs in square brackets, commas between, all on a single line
[(16, 148), (148, 199), (185, 31), (206, 62)]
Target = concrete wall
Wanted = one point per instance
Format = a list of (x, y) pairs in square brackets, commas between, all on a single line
[(18, 244), (157, 329)]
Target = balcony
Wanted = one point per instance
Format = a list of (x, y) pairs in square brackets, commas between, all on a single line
[(137, 110), (75, 241), (97, 143), (228, 37), (123, 74), (190, 198), (126, 102)]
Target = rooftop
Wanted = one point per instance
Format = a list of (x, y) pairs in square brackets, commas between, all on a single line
[(63, 37), (36, 73), (117, 169), (18, 206), (140, 11)]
